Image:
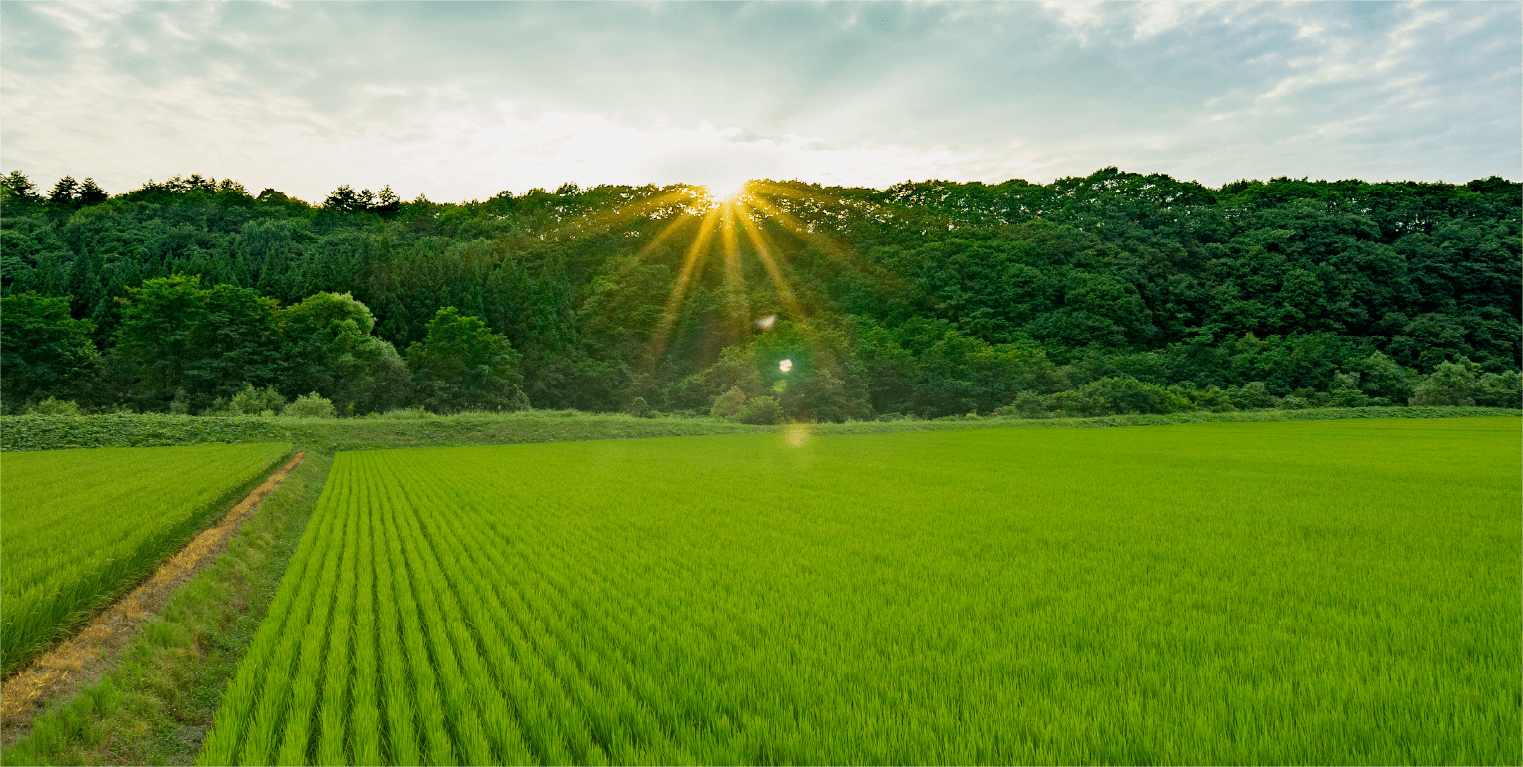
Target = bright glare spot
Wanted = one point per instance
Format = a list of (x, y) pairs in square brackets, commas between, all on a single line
[(785, 365), (795, 435), (766, 323), (726, 190)]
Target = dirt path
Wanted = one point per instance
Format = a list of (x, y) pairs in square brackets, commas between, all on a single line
[(87, 657)]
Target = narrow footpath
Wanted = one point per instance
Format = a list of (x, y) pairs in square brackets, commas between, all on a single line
[(92, 652)]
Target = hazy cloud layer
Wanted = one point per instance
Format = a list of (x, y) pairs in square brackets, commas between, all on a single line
[(461, 100)]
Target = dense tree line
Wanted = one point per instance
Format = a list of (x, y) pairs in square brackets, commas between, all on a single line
[(1115, 292)]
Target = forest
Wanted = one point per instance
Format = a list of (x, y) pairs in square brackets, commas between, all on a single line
[(1112, 293)]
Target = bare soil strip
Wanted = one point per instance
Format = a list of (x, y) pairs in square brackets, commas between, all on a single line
[(90, 654)]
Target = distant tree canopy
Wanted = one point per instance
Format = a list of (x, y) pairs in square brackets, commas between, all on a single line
[(930, 299)]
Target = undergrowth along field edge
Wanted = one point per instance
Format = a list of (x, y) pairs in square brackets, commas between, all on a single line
[(40, 432)]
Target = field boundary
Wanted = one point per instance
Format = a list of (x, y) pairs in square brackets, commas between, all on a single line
[(90, 653), (332, 435)]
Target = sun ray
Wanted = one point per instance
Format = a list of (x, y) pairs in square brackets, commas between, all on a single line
[(828, 245), (618, 216), (764, 254), (737, 304), (694, 259)]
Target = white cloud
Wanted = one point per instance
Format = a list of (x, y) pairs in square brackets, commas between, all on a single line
[(464, 100)]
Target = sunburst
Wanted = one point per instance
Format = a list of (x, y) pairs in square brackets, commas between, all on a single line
[(721, 215)]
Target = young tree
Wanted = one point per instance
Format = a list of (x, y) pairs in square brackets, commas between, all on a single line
[(328, 348), (18, 192), (64, 192), (1449, 384), (462, 365), (91, 194)]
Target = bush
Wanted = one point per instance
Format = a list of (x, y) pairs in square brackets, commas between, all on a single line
[(54, 406), (251, 401), (1025, 405), (729, 404), (1380, 376), (412, 413), (1499, 390), (761, 410), (1212, 398), (1292, 402), (638, 408), (1251, 396), (1450, 384), (311, 406)]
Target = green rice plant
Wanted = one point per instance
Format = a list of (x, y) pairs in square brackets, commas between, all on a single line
[(82, 526), (1306, 592)]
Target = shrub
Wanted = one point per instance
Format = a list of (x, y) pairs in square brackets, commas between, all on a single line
[(311, 406), (1450, 384), (1025, 405), (1499, 390), (638, 408), (54, 406), (1380, 376), (761, 410), (1292, 402), (411, 413), (251, 401), (729, 404), (1251, 396)]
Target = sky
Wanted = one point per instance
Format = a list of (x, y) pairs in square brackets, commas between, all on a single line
[(461, 101)]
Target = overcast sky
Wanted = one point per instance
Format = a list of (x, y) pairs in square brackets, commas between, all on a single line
[(463, 100)]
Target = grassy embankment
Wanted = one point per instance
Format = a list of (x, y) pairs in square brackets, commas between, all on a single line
[(154, 707), (20, 433), (1335, 592)]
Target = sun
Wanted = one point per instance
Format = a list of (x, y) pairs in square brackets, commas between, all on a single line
[(727, 189), (726, 219)]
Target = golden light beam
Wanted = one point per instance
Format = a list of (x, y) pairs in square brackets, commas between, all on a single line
[(620, 215), (694, 259), (734, 281), (829, 246), (764, 254)]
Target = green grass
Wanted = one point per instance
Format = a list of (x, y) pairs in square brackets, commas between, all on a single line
[(83, 525), (421, 430), (153, 707), (1309, 592)]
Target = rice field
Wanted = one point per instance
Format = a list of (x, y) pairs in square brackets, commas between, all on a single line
[(82, 525), (1313, 592)]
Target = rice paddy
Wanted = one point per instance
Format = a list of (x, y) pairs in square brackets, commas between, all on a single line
[(1314, 592), (82, 525)]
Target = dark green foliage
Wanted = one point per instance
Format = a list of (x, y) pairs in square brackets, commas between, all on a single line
[(931, 299), (461, 365), (46, 352), (329, 349), (198, 344), (1450, 384), (638, 408)]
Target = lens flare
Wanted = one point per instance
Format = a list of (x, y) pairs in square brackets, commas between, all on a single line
[(729, 189), (795, 435), (785, 365)]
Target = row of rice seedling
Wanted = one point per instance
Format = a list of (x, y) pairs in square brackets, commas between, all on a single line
[(82, 525), (1299, 592)]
